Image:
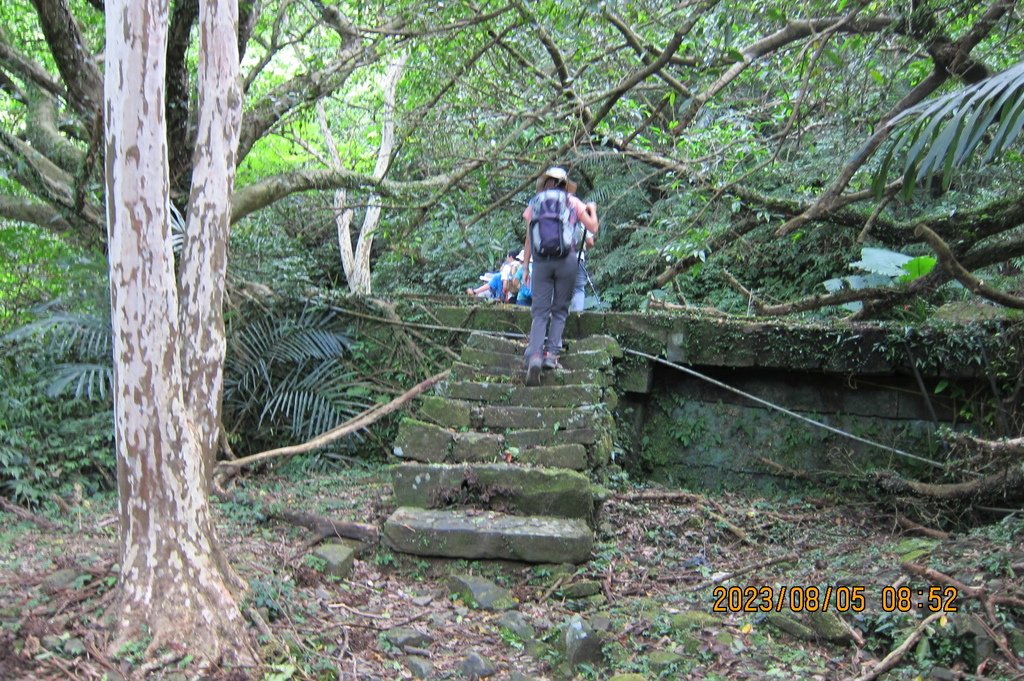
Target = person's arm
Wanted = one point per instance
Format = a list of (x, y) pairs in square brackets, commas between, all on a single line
[(586, 213)]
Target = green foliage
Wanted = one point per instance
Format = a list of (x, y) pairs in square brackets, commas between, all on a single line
[(38, 267), (883, 268), (271, 596), (940, 135), (290, 375), (284, 260), (49, 441)]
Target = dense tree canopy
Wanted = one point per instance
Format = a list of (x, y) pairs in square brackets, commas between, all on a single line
[(707, 128)]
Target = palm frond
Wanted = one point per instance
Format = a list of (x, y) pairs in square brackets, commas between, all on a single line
[(86, 381), (87, 335), (290, 372), (309, 407), (944, 133)]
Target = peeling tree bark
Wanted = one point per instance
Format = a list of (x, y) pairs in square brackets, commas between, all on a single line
[(173, 583)]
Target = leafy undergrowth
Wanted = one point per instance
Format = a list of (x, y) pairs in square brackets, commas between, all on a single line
[(663, 561)]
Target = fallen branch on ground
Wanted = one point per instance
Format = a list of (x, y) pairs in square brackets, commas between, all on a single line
[(893, 658), (1007, 483), (23, 514), (909, 525), (228, 469), (326, 527), (988, 600)]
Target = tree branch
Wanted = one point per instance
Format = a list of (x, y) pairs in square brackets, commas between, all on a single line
[(32, 212), (306, 88), (958, 272), (67, 44), (944, 63), (792, 32), (24, 67), (261, 194), (226, 469)]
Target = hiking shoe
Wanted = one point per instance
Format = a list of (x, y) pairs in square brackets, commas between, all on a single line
[(533, 369), (550, 362)]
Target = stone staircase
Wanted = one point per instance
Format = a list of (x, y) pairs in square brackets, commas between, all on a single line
[(488, 468)]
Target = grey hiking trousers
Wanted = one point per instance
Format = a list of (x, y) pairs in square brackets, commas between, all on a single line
[(552, 282)]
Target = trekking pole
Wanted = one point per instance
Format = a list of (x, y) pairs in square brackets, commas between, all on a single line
[(590, 281)]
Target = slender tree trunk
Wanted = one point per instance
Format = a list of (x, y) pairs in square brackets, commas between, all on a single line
[(173, 583), (356, 261)]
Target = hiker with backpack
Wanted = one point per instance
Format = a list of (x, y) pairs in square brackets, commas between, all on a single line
[(557, 221)]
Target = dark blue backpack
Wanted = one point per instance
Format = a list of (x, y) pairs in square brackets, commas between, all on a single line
[(553, 225)]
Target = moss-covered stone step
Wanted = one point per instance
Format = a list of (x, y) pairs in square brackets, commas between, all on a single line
[(430, 443), (515, 346), (511, 488), (588, 359), (572, 456), (509, 346), (596, 342), (554, 418), (517, 375), (484, 535), (522, 396), (546, 437), (460, 414)]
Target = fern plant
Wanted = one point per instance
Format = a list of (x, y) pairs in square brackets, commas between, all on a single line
[(291, 375)]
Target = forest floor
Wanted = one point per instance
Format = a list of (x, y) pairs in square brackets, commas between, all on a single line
[(668, 571)]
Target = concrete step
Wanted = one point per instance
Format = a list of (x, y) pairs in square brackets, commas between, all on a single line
[(522, 396), (509, 488), (483, 535)]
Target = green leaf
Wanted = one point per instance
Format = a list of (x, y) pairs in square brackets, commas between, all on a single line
[(918, 267)]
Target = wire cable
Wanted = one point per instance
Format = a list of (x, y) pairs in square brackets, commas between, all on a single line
[(770, 405)]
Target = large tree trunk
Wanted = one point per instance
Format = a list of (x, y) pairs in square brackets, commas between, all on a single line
[(173, 584)]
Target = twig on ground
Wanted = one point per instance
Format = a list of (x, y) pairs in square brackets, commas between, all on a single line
[(669, 497), (327, 527), (355, 611), (893, 658), (553, 588), (24, 514), (788, 558), (736, 530), (909, 525)]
